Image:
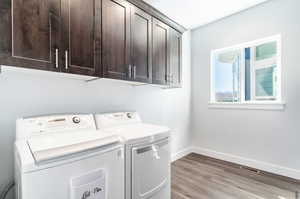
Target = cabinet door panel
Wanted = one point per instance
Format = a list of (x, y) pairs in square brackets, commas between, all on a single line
[(160, 54), (5, 30), (116, 39), (175, 58), (81, 36), (141, 38), (35, 31)]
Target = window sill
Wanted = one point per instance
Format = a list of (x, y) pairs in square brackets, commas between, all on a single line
[(276, 106)]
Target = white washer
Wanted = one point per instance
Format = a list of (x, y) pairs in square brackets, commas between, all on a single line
[(147, 156), (64, 157)]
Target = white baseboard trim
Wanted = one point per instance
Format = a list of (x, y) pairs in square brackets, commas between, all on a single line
[(264, 166), (181, 154)]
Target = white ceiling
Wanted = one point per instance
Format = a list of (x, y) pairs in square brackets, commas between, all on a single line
[(194, 13)]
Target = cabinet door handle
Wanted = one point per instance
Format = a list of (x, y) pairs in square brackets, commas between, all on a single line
[(167, 78), (66, 60), (134, 72), (56, 58), (129, 71)]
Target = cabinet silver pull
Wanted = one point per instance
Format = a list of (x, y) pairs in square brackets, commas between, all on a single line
[(129, 71), (134, 72), (56, 58), (66, 60), (168, 78)]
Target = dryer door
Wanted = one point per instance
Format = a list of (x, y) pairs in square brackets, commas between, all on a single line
[(150, 170)]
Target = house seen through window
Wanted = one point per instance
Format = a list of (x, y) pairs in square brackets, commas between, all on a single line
[(247, 73)]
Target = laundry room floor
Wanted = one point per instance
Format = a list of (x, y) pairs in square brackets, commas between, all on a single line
[(200, 177)]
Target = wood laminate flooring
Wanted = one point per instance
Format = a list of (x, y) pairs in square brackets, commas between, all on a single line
[(200, 177)]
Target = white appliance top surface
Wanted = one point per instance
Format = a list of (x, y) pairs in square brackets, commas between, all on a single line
[(128, 125), (56, 145), (46, 148), (137, 131), (52, 138)]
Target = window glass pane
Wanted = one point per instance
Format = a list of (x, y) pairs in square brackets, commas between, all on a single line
[(227, 76), (261, 75), (247, 74), (266, 51), (265, 82)]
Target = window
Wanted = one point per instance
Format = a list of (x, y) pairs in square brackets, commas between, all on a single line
[(247, 75)]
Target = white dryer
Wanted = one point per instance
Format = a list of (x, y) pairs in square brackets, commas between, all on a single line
[(64, 157), (147, 154)]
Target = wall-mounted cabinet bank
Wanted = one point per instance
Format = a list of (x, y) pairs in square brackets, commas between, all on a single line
[(116, 39)]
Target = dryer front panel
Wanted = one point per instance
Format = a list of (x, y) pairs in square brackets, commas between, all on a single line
[(151, 170)]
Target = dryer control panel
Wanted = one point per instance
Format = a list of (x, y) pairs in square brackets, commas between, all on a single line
[(29, 127), (104, 121)]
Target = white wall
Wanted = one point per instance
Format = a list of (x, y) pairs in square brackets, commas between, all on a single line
[(264, 138), (28, 95)]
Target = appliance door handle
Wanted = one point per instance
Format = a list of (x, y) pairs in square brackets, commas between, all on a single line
[(66, 60), (153, 147), (155, 152), (144, 150)]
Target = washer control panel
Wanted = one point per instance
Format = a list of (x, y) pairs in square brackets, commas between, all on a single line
[(54, 124)]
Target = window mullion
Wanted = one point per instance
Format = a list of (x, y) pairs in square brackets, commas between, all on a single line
[(242, 76), (252, 73)]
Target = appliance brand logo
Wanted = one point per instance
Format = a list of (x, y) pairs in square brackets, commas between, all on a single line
[(88, 194)]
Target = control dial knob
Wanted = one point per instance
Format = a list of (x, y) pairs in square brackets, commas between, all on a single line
[(129, 115), (76, 120)]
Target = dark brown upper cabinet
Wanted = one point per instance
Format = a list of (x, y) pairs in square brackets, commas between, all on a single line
[(175, 72), (141, 45), (35, 34), (160, 53), (81, 34), (116, 39), (5, 30)]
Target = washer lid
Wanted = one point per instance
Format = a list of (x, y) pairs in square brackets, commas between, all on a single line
[(53, 146)]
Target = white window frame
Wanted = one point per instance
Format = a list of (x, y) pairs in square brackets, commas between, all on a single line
[(277, 104), (262, 64)]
